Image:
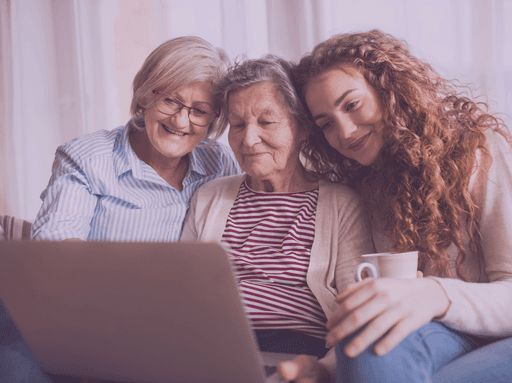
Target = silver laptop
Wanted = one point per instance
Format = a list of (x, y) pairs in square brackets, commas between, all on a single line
[(138, 312)]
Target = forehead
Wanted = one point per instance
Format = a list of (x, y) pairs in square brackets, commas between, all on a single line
[(262, 95), (194, 89), (343, 77)]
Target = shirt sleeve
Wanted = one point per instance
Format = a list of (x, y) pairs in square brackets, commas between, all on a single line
[(485, 309), (68, 203)]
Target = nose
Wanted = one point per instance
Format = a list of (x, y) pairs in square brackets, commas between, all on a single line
[(251, 135), (181, 119), (346, 129)]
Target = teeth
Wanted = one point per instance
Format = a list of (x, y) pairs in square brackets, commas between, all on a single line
[(172, 132)]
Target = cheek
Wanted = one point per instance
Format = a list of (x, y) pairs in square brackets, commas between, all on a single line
[(234, 143), (367, 116)]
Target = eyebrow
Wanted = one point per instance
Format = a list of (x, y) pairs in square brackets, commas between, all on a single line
[(179, 97), (336, 104)]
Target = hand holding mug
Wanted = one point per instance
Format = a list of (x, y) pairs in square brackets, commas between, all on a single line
[(386, 308)]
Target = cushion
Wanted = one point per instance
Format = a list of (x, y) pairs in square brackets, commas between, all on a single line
[(12, 228)]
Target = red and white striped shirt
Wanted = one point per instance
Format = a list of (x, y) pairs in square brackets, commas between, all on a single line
[(270, 236)]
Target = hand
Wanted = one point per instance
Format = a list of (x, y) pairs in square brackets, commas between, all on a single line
[(304, 369), (388, 309)]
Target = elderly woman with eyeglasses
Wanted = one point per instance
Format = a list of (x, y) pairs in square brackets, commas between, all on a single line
[(134, 183), (294, 238)]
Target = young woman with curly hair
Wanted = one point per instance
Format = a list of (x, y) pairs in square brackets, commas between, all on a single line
[(434, 169)]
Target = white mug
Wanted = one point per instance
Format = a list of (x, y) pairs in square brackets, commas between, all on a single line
[(389, 265)]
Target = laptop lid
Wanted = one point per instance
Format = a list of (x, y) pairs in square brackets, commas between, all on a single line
[(142, 312)]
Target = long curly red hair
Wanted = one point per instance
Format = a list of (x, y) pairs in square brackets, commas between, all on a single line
[(418, 187)]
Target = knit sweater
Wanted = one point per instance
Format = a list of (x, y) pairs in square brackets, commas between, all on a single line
[(482, 307)]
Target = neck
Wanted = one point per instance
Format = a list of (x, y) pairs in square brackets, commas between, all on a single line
[(173, 170), (298, 181)]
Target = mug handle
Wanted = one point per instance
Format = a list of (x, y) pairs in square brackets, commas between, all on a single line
[(361, 267)]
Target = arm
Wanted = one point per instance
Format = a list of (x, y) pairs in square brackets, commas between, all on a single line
[(209, 209), (394, 308), (483, 308), (342, 235), (68, 203)]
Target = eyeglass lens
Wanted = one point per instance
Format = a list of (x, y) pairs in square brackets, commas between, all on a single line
[(172, 106)]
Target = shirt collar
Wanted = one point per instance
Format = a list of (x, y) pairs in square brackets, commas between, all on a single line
[(195, 160), (125, 158)]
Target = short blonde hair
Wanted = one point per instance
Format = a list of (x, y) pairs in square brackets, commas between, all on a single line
[(173, 65)]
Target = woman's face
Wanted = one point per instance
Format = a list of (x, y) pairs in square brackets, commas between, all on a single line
[(262, 134), (172, 137), (348, 111)]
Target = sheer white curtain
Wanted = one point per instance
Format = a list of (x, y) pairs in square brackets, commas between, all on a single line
[(66, 66)]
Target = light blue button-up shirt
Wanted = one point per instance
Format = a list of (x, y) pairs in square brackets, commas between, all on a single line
[(100, 190)]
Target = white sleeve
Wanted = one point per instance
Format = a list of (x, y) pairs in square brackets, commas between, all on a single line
[(485, 309), (68, 201)]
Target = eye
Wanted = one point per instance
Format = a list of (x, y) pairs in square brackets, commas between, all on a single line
[(325, 125), (265, 122), (236, 124), (198, 112), (171, 102), (351, 105)]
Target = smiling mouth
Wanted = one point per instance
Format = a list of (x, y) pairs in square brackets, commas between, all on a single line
[(359, 143), (251, 154), (166, 128)]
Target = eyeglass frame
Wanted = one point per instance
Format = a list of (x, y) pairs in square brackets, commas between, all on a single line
[(156, 92)]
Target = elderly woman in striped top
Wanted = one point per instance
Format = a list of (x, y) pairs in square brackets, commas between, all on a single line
[(134, 183), (295, 239)]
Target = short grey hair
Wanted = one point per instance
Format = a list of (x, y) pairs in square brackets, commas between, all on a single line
[(172, 66), (271, 69)]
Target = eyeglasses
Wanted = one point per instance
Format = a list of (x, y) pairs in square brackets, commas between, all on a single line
[(170, 106)]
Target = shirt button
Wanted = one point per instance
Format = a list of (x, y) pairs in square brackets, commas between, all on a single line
[(175, 227)]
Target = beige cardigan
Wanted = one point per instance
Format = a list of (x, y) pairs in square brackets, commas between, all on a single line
[(483, 308), (342, 235), (342, 232)]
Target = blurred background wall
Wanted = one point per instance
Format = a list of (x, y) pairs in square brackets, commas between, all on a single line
[(66, 66)]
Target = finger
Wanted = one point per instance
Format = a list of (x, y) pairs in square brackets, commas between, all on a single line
[(348, 290), (307, 380), (356, 319), (298, 368), (396, 335), (375, 330), (357, 297)]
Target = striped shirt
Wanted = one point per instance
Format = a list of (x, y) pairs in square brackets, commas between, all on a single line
[(100, 190), (270, 236)]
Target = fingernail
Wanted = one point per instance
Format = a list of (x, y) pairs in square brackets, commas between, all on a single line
[(350, 351), (379, 350), (329, 341)]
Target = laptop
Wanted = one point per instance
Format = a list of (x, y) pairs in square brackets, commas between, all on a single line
[(137, 312)]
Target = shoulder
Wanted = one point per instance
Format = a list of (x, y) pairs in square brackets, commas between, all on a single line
[(221, 185), (214, 150), (94, 144), (498, 144), (340, 193), (499, 159), (215, 157)]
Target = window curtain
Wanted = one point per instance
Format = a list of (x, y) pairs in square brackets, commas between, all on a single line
[(66, 66)]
